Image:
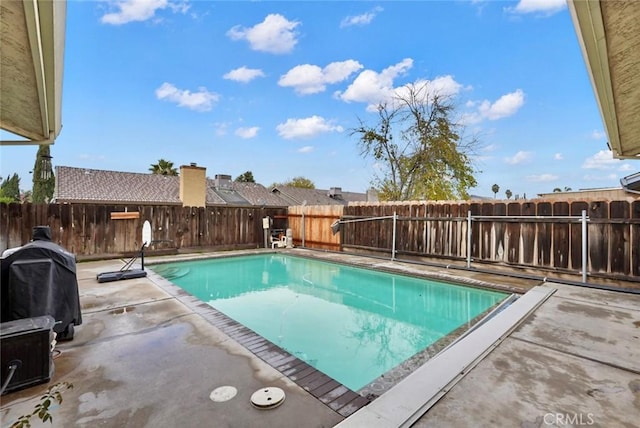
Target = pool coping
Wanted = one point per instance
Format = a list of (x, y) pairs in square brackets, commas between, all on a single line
[(405, 403)]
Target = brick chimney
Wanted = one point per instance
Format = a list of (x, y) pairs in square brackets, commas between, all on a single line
[(193, 185)]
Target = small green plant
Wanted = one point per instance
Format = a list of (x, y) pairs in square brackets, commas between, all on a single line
[(54, 393)]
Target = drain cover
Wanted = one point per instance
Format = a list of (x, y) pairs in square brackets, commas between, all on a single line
[(223, 393), (267, 398)]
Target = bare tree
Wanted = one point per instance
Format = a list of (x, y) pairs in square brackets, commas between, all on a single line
[(418, 147)]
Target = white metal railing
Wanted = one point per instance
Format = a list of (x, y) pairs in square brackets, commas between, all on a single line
[(583, 219)]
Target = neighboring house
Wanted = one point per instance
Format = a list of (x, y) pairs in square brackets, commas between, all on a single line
[(601, 194), (333, 196), (631, 183), (190, 188), (74, 185)]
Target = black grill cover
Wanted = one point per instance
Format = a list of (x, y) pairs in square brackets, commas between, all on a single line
[(40, 279)]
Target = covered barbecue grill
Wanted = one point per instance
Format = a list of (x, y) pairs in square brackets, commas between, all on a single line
[(39, 279)]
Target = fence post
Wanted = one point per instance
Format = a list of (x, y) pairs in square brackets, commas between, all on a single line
[(303, 226), (393, 244), (469, 239), (303, 222), (583, 220)]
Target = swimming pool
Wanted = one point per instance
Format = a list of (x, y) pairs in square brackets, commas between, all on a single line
[(350, 323)]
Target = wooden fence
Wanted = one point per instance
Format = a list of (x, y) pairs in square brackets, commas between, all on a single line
[(535, 234), (317, 220), (89, 230)]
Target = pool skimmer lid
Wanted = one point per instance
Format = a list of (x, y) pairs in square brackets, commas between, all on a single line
[(223, 393), (267, 398)]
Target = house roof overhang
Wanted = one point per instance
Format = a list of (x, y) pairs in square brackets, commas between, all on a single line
[(32, 44), (609, 36)]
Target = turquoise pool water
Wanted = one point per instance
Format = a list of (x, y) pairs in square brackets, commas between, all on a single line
[(350, 323)]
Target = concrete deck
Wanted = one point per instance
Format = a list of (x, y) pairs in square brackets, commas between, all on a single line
[(574, 362), (143, 357)]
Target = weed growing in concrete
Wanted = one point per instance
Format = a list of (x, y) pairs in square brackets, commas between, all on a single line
[(53, 393)]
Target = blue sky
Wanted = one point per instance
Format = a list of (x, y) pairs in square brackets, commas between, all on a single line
[(275, 87)]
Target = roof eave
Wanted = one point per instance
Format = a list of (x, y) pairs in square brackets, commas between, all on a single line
[(591, 31), (589, 26), (44, 28)]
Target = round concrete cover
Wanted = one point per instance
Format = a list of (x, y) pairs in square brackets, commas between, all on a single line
[(267, 398), (223, 393)]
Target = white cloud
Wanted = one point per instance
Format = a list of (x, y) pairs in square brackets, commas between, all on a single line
[(505, 106), (247, 132), (372, 87), (306, 128), (558, 156), (139, 10), (305, 149), (363, 19), (519, 158), (202, 100), (542, 177), (311, 79), (598, 135), (442, 86), (547, 7), (275, 34), (243, 74), (601, 160)]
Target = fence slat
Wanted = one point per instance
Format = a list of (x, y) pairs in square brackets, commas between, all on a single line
[(598, 239), (513, 232), (634, 237), (619, 239)]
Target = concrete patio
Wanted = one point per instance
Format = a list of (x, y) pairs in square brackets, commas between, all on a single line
[(145, 356)]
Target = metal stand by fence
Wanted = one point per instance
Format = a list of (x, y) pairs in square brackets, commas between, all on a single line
[(471, 219), (583, 219), (393, 217)]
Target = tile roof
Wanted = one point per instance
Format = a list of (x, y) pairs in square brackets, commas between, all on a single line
[(92, 185), (84, 185), (257, 194), (297, 195), (116, 187)]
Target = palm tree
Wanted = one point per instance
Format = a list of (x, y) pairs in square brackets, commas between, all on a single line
[(508, 193), (495, 189), (163, 167)]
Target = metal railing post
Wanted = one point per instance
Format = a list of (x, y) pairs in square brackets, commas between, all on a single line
[(583, 220), (303, 226), (393, 244), (469, 239)]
